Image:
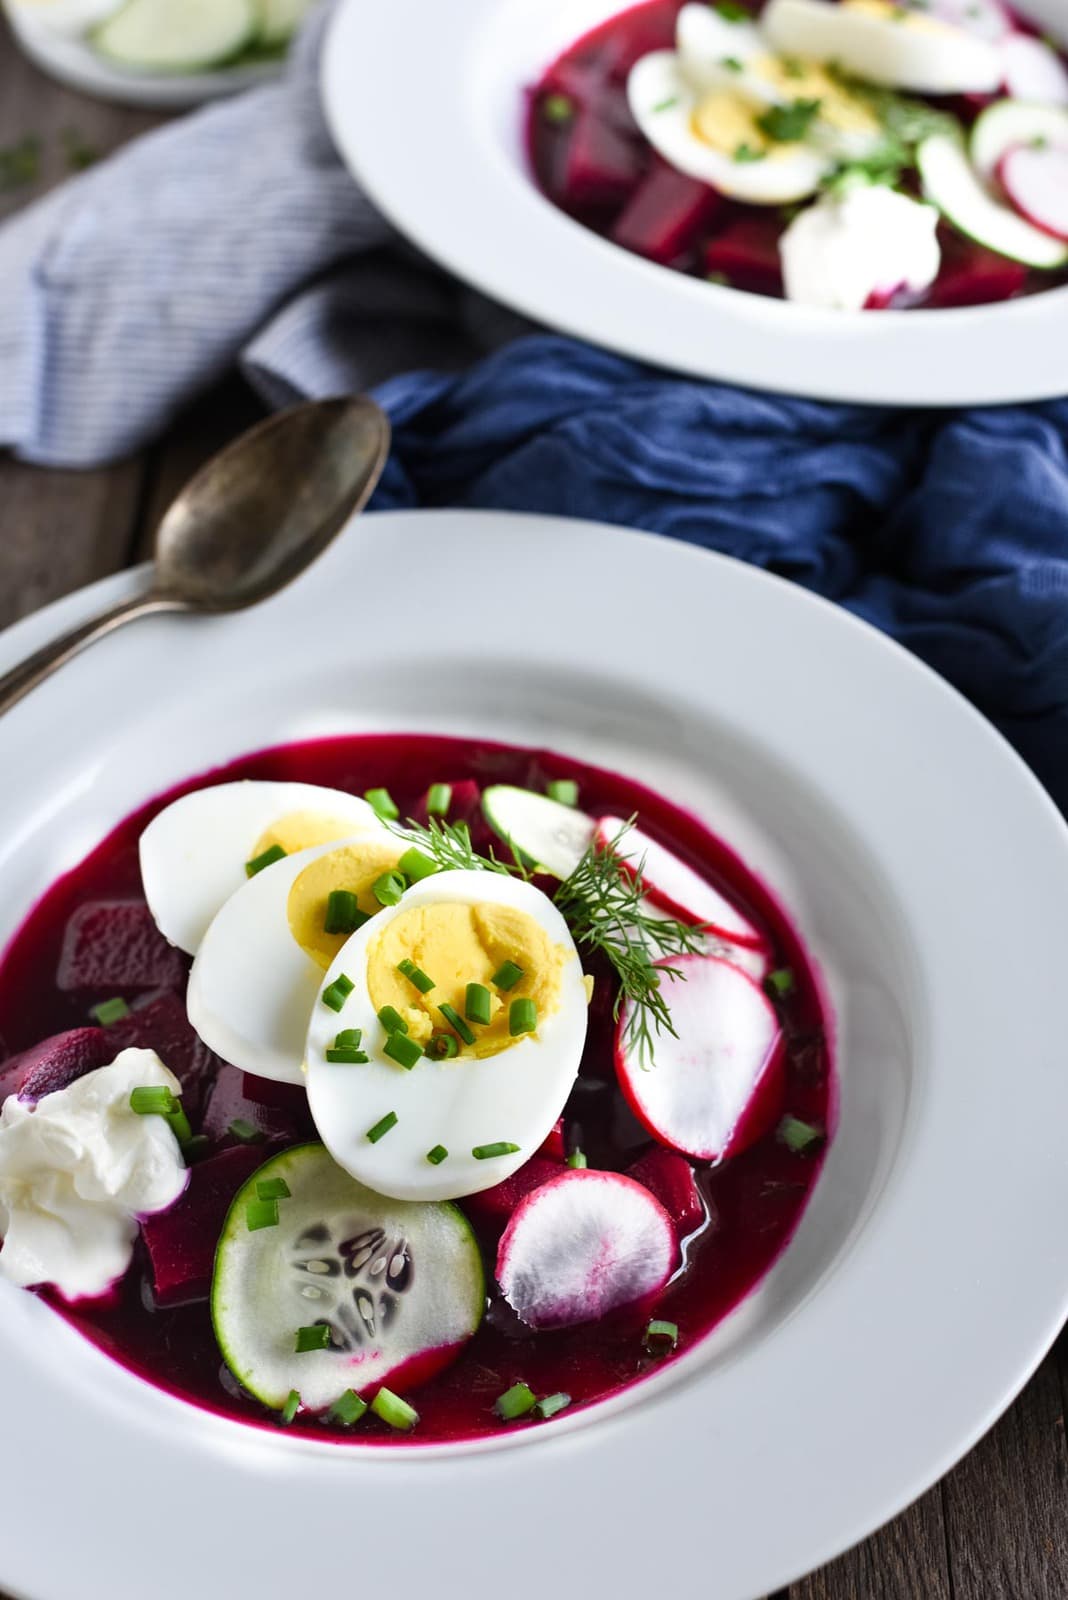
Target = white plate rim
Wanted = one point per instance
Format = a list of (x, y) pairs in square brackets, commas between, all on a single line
[(439, 164), (195, 1462)]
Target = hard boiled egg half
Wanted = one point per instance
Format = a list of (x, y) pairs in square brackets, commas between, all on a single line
[(260, 965), (896, 46), (460, 1086), (200, 849)]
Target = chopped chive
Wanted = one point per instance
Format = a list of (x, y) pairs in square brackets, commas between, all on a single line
[(522, 1016), (291, 1407), (799, 1136), (565, 791), (660, 1337), (347, 1058), (381, 1128), (343, 915), (194, 1148), (400, 1048), (273, 1189), (507, 976), (317, 1337), (439, 799), (454, 1019), (781, 981), (437, 1155), (154, 1100), (245, 1132), (550, 1405), (267, 859), (349, 1039), (261, 1214), (346, 1410), (109, 1011), (389, 888), (382, 802), (661, 105), (336, 993), (415, 865), (731, 64), (391, 1020), (748, 152), (394, 1411), (179, 1123), (478, 1004), (416, 976), (443, 1047), (518, 1401), (487, 1152), (577, 1161), (557, 108), (730, 11)]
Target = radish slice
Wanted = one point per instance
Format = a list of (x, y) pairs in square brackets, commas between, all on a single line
[(717, 1086), (1034, 70), (987, 19), (672, 885), (583, 1245), (1036, 181), (1008, 123)]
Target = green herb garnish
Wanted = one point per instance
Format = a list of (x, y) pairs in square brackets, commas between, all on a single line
[(109, 1011), (557, 108), (478, 1004), (437, 1155), (660, 1337), (415, 865), (261, 1214), (336, 993), (382, 1127), (343, 915), (507, 976), (522, 1017), (454, 1019), (291, 1407), (489, 1152), (438, 799), (550, 1405), (518, 1401), (267, 859), (748, 152), (798, 1136), (565, 791), (404, 1051), (443, 1047), (788, 124), (730, 11), (662, 105), (346, 1410), (273, 1189), (415, 976), (245, 1132), (394, 1411), (577, 1161), (382, 803), (317, 1337)]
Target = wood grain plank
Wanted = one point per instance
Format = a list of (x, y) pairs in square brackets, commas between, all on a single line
[(1005, 1505), (904, 1561)]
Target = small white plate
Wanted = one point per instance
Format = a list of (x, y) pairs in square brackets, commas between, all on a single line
[(929, 873), (74, 63), (439, 147)]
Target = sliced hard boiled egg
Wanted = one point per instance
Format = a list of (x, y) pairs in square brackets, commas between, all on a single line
[(886, 44), (713, 50), (194, 854), (415, 1126), (715, 137), (260, 964)]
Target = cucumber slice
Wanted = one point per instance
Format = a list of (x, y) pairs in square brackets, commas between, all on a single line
[(177, 36), (280, 20), (542, 832), (397, 1284), (950, 182), (1008, 123)]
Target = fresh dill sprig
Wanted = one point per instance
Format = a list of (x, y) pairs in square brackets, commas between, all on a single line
[(605, 907), (449, 845)]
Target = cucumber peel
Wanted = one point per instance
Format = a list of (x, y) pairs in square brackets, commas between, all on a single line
[(398, 1284), (177, 36), (951, 183), (1008, 123)]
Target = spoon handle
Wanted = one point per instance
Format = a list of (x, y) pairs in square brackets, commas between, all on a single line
[(29, 673)]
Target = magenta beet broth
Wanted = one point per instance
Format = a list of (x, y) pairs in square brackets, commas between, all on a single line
[(754, 1201), (598, 167)]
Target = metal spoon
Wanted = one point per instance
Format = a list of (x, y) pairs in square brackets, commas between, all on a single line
[(249, 523)]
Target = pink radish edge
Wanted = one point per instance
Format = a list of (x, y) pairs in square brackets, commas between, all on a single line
[(726, 1122), (583, 1245), (1036, 181), (675, 887)]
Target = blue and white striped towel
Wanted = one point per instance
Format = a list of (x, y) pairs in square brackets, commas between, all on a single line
[(233, 231)]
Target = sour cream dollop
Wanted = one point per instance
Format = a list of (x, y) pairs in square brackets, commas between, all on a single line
[(839, 252), (76, 1171)]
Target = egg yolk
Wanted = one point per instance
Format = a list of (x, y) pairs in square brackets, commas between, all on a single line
[(300, 831), (901, 16), (798, 79), (355, 867), (457, 944), (727, 121)]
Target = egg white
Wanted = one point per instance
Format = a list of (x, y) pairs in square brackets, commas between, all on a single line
[(193, 854), (913, 51), (513, 1096)]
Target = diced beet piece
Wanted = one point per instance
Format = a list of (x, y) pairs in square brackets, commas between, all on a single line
[(55, 1063), (285, 1116), (114, 945), (163, 1026), (491, 1210), (601, 166), (667, 215), (747, 254), (554, 1147), (669, 1178), (971, 275), (465, 803), (181, 1242)]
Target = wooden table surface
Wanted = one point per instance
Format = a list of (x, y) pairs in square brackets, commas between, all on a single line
[(997, 1527)]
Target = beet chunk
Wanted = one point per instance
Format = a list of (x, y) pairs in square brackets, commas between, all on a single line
[(669, 1178), (163, 1026), (181, 1241), (280, 1114), (601, 168), (667, 215), (554, 1146), (114, 946), (746, 253), (490, 1211), (55, 1063), (971, 275)]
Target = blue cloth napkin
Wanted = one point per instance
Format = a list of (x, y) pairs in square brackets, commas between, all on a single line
[(235, 236)]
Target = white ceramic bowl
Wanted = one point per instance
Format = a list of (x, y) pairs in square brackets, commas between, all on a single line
[(928, 872), (426, 104)]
